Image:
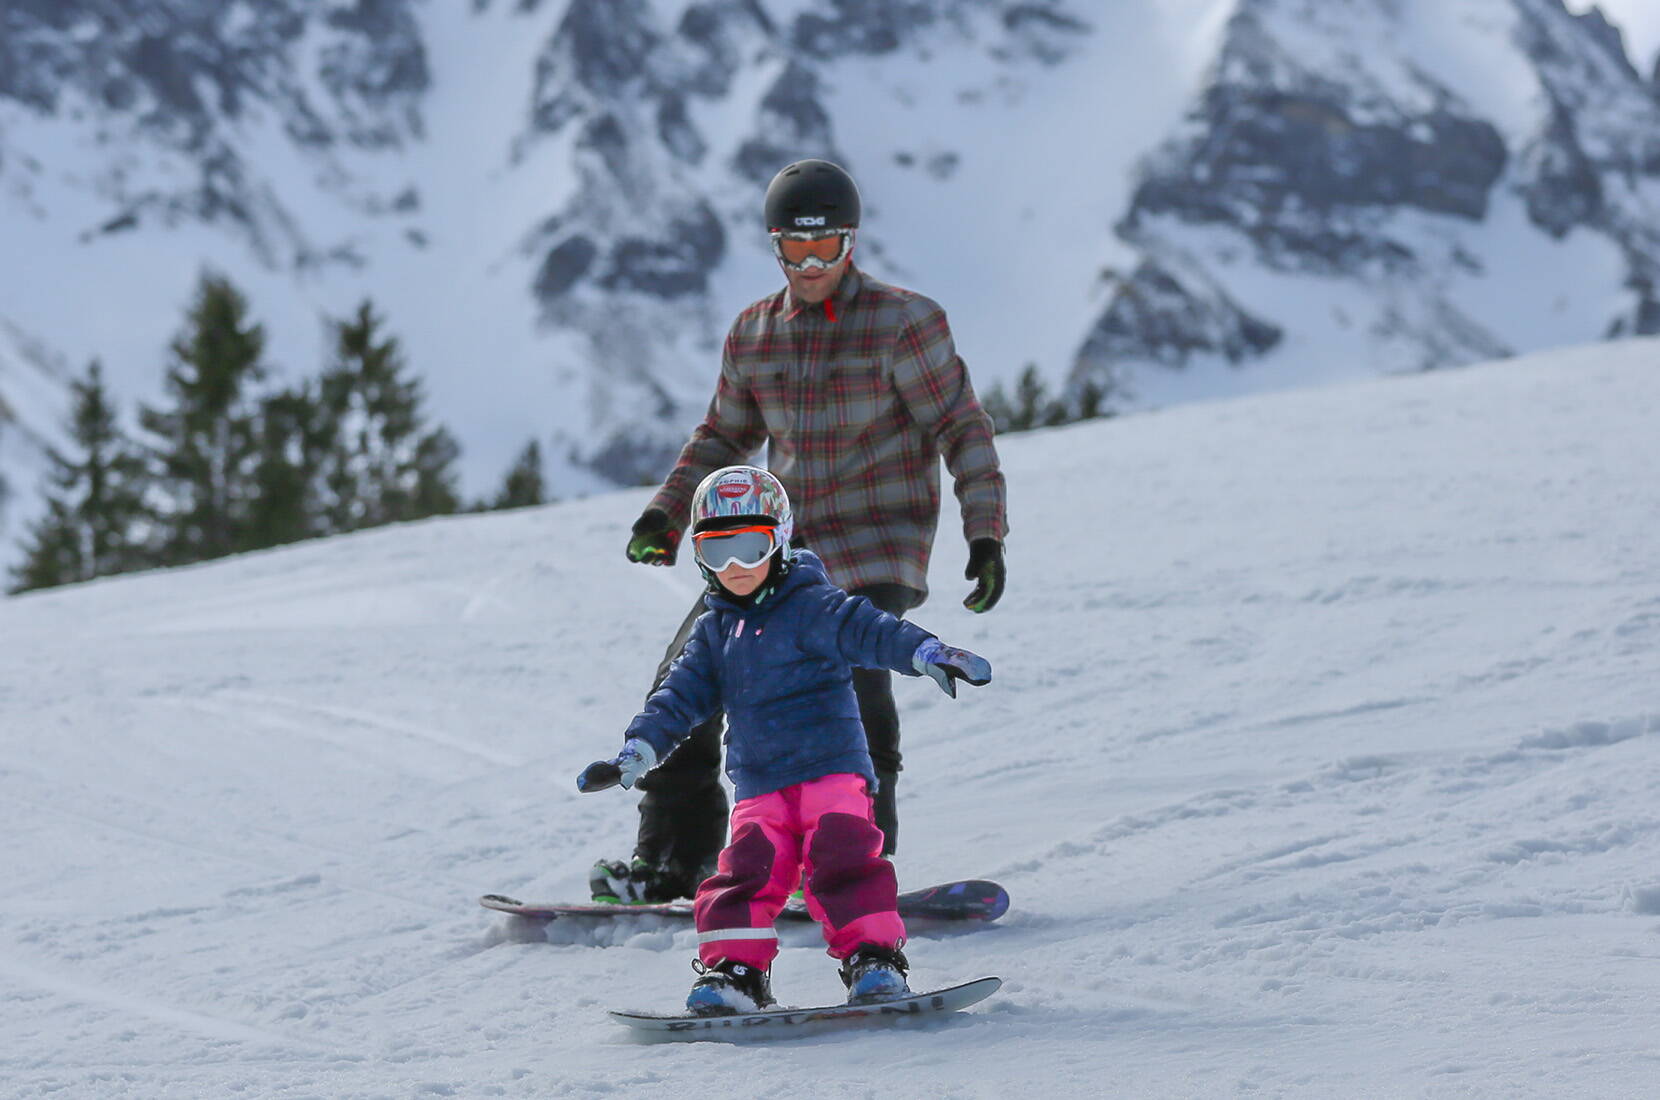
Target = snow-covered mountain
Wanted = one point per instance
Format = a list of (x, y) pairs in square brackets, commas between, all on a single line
[(1393, 186), (1329, 767), (556, 201)]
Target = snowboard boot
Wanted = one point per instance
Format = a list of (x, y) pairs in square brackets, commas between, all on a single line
[(728, 988), (875, 973), (641, 882), (673, 879), (612, 882)]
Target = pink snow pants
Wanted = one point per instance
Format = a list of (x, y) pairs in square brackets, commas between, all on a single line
[(826, 826)]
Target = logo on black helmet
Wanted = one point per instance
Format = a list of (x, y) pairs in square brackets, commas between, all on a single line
[(810, 221)]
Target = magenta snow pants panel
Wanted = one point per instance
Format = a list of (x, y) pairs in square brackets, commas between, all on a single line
[(825, 826)]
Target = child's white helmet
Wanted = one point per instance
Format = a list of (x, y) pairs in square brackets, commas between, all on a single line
[(736, 497)]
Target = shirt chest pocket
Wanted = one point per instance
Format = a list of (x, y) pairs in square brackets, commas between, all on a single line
[(774, 386), (856, 395)]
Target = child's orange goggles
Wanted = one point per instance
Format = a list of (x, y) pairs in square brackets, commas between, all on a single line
[(744, 546)]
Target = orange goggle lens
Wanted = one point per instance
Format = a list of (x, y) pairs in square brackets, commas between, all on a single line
[(826, 249)]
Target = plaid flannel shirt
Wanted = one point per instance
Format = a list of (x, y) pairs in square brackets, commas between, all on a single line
[(856, 401)]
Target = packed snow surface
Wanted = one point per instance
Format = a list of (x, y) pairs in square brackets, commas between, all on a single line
[(1322, 758)]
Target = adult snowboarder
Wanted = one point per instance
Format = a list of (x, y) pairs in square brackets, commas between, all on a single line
[(857, 390), (777, 647)]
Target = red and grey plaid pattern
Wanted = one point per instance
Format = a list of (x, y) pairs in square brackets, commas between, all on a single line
[(857, 401)]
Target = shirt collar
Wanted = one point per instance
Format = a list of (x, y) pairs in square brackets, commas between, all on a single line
[(836, 305)]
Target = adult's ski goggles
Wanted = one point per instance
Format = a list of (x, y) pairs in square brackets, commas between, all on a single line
[(801, 250), (745, 546)]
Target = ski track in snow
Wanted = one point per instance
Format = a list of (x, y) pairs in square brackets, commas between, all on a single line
[(1333, 768)]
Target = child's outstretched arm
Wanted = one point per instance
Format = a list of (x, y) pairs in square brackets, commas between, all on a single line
[(868, 637), (688, 695)]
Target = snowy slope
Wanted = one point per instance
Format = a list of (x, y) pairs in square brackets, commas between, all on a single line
[(1322, 759)]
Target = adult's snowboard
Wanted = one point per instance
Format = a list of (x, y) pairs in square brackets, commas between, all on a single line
[(790, 1022), (968, 900)]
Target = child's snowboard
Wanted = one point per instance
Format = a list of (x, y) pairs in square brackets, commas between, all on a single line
[(790, 1022), (969, 900)]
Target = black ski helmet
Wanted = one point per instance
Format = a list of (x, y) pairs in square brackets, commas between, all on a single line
[(812, 194)]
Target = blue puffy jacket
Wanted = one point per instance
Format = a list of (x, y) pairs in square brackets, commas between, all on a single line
[(783, 670)]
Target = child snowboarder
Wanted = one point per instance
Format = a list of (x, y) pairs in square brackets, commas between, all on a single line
[(776, 649)]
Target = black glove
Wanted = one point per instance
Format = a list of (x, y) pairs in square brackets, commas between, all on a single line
[(653, 539), (985, 569)]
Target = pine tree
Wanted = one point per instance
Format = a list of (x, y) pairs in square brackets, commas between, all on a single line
[(996, 405), (1091, 400), (1033, 409), (437, 490), (52, 551), (96, 520), (524, 485), (208, 443), (1029, 396), (293, 444), (382, 464)]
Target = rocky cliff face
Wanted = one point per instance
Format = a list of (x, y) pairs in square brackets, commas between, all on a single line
[(1341, 141), (167, 88)]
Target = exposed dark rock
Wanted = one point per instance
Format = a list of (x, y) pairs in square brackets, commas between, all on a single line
[(185, 74), (1561, 185), (610, 43), (1600, 148), (564, 266), (360, 67), (1309, 166), (1647, 316), (1605, 34), (1437, 333), (860, 27), (677, 132), (600, 50), (716, 38), (626, 458), (606, 137), (1154, 314), (792, 124), (1287, 170), (1595, 86), (671, 264), (1043, 31), (609, 53)]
